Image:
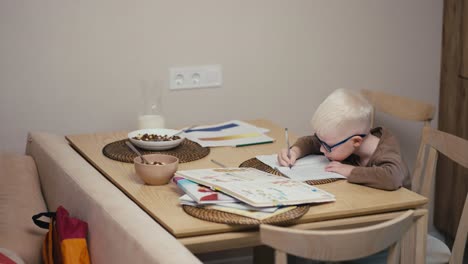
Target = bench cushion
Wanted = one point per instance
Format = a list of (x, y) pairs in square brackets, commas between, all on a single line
[(20, 199)]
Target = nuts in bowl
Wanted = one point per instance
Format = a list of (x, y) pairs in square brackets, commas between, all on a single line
[(155, 138)]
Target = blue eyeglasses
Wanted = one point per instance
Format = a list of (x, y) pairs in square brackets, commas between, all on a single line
[(328, 148)]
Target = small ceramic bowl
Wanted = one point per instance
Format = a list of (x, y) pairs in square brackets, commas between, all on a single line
[(155, 145), (156, 174)]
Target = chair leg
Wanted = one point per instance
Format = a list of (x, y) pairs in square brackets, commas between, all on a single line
[(394, 253), (408, 247), (421, 238)]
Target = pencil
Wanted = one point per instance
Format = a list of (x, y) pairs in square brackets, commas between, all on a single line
[(256, 143), (287, 144), (218, 163)]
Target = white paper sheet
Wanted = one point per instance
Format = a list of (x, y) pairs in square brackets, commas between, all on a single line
[(311, 167), (232, 133)]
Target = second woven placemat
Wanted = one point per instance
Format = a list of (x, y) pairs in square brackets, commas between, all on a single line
[(257, 164), (228, 218), (185, 152)]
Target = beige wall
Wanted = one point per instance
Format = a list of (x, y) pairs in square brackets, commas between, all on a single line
[(76, 66)]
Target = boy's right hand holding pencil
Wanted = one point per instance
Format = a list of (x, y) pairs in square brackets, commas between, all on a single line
[(284, 160)]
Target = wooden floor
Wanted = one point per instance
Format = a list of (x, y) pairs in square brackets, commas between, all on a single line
[(245, 256), (235, 256)]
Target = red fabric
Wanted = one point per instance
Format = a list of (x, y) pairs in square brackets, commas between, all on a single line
[(68, 227), (6, 260)]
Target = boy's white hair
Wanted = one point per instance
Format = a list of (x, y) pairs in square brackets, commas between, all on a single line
[(343, 113)]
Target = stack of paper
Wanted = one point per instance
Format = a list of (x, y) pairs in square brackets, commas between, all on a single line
[(234, 133), (201, 196), (238, 208)]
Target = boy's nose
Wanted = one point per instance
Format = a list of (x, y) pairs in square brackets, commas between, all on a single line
[(322, 149)]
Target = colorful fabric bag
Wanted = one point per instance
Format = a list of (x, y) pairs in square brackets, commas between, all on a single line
[(65, 242)]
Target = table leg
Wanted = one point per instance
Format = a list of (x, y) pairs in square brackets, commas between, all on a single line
[(263, 255)]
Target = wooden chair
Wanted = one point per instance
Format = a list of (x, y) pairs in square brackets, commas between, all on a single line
[(400, 107), (406, 109), (338, 245), (434, 142)]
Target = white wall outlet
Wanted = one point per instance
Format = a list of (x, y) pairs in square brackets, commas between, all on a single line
[(195, 77)]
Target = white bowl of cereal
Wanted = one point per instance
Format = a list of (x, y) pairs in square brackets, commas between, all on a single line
[(155, 138)]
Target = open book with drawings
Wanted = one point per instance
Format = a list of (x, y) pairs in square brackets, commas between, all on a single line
[(257, 188)]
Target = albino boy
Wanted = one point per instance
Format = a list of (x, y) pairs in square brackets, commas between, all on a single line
[(342, 133)]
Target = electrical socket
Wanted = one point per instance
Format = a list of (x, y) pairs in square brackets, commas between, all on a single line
[(203, 76)]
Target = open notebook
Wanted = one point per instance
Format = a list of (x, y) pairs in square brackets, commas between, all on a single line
[(311, 167)]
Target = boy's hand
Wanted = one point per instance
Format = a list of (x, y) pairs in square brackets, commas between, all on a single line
[(339, 168), (283, 159)]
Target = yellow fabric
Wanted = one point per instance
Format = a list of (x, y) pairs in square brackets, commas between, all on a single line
[(47, 255), (74, 251)]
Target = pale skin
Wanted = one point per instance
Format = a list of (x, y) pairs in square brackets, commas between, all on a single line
[(362, 147)]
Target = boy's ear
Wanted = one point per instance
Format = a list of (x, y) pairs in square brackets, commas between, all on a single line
[(357, 141)]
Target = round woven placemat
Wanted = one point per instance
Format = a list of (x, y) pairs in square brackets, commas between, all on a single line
[(185, 152), (257, 164), (228, 218)]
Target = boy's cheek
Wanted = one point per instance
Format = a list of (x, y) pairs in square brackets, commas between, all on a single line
[(335, 156)]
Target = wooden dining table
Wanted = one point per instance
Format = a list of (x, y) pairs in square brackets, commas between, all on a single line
[(355, 204)]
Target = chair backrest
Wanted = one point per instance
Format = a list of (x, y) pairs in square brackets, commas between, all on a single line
[(456, 149), (412, 110), (401, 107), (338, 245)]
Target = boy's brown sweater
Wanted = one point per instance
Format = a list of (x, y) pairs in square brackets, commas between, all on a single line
[(385, 170)]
